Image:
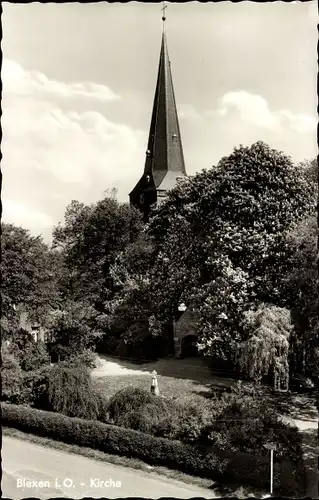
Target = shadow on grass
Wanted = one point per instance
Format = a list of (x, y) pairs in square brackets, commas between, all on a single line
[(195, 368), (310, 447), (130, 364), (294, 406)]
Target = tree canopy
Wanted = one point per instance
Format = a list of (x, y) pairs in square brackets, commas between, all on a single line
[(221, 239), (266, 347), (302, 293), (89, 241), (28, 274)]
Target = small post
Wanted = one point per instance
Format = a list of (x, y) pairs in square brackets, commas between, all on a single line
[(271, 447), (154, 385), (271, 470)]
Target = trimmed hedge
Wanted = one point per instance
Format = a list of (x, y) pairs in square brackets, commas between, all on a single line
[(238, 468), (112, 439)]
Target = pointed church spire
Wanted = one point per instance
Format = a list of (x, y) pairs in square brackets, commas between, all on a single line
[(164, 162)]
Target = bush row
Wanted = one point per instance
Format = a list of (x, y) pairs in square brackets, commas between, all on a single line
[(238, 422), (197, 460)]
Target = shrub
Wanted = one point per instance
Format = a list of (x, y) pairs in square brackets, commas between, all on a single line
[(245, 423), (30, 354), (37, 383), (147, 418), (137, 409), (70, 330), (35, 356), (70, 392), (11, 378), (127, 400), (206, 462), (87, 358), (185, 420), (67, 390), (253, 469)]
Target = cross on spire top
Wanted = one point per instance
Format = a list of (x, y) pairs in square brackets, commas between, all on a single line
[(164, 12)]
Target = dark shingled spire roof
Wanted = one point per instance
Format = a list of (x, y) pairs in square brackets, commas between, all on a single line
[(164, 157)]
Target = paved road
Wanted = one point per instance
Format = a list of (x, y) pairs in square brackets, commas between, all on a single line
[(82, 476)]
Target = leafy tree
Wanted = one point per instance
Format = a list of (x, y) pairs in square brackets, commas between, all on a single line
[(310, 168), (268, 332), (28, 270), (127, 315), (301, 287), (67, 388), (131, 266), (90, 239), (221, 240), (30, 354), (70, 392), (72, 330), (11, 376)]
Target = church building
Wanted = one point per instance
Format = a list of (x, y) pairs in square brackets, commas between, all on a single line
[(164, 163), (164, 166)]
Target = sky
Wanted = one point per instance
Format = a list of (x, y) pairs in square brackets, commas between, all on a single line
[(79, 81)]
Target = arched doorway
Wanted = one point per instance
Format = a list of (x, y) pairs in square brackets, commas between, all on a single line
[(189, 347)]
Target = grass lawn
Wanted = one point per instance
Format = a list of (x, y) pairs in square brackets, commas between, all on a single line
[(181, 383), (181, 379), (179, 388)]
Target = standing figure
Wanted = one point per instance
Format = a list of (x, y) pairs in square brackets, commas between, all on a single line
[(154, 386)]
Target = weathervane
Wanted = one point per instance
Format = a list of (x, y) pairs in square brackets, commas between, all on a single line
[(164, 13)]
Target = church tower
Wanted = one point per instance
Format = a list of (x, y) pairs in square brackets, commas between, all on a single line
[(164, 162)]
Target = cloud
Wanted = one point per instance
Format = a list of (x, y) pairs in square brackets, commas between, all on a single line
[(54, 153), (77, 148), (16, 80), (301, 123), (188, 112), (252, 108), (19, 213), (255, 110)]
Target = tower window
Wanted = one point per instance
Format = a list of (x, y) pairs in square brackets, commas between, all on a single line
[(142, 198)]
